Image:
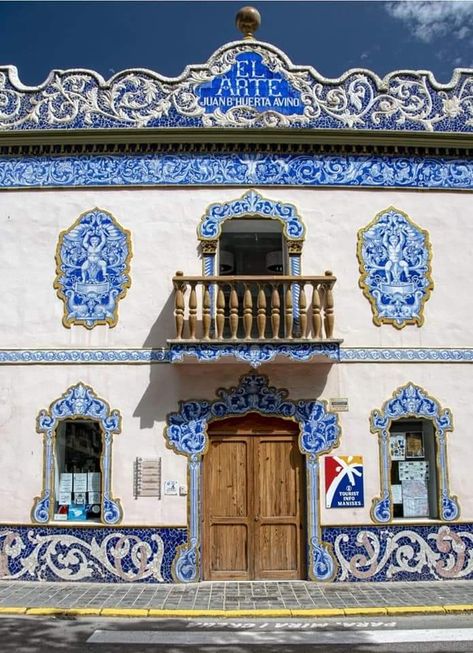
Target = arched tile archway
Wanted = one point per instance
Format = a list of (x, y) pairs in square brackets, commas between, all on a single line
[(186, 434)]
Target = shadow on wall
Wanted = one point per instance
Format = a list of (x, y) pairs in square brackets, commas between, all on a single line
[(171, 383), (164, 327)]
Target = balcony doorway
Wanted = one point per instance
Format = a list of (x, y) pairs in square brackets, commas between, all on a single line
[(251, 247)]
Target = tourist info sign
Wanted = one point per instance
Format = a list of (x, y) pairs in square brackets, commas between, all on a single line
[(344, 482)]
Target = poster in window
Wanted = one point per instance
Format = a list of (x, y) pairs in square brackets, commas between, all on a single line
[(80, 482), (414, 445), (344, 482), (413, 470), (396, 492), (415, 498), (397, 446)]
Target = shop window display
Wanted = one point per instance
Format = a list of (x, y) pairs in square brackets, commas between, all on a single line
[(78, 482), (413, 469)]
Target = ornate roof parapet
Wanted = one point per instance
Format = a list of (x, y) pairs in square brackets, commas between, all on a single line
[(245, 84)]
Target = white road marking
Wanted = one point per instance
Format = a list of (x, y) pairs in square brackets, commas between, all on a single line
[(228, 638), (289, 625)]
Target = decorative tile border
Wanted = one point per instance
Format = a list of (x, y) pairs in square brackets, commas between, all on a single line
[(244, 84), (102, 555), (256, 354), (240, 169), (243, 352), (402, 552)]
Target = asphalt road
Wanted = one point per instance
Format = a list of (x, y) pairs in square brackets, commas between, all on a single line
[(417, 634)]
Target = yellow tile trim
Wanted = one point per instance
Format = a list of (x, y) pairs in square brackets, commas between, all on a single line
[(124, 612), (350, 612), (12, 610), (464, 607)]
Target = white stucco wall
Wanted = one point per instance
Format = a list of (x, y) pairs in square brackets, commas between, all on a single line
[(144, 395), (163, 226)]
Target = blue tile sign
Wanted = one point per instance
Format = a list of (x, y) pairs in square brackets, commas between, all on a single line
[(250, 83), (344, 482)]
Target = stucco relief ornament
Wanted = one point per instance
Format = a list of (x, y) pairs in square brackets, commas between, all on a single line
[(394, 256), (93, 269)]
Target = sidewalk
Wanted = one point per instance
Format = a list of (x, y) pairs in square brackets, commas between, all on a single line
[(235, 599)]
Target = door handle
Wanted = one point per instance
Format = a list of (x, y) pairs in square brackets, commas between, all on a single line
[(256, 517)]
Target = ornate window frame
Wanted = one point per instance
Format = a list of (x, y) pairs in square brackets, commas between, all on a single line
[(412, 401), (79, 401), (251, 204), (73, 290), (186, 434), (397, 302)]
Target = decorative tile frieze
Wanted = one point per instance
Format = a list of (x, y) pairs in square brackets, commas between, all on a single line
[(235, 169), (93, 554), (244, 84), (214, 352), (256, 354), (402, 552)]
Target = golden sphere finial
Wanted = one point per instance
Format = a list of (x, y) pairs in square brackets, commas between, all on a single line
[(248, 19)]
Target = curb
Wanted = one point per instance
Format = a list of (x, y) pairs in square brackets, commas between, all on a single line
[(285, 612)]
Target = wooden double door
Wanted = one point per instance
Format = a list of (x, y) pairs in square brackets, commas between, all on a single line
[(253, 500)]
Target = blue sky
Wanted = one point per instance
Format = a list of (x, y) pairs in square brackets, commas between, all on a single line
[(165, 36)]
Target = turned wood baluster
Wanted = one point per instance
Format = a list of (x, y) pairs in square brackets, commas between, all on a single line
[(302, 310), (275, 311), (179, 306), (261, 317), (206, 316), (220, 312), (233, 313), (289, 319), (247, 312), (192, 311), (329, 313), (316, 318)]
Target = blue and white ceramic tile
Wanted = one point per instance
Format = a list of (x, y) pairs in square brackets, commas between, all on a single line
[(244, 169), (101, 555), (93, 269), (394, 256), (243, 85), (402, 552)]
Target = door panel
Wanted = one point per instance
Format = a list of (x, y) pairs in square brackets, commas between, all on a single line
[(228, 505), (253, 500)]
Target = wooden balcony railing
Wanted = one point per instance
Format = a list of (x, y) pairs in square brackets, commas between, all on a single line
[(253, 308)]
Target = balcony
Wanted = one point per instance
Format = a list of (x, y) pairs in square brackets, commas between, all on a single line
[(254, 319)]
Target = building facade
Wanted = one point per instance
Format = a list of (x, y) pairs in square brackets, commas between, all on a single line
[(235, 340)]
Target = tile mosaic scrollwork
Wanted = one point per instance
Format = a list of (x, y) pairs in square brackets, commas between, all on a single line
[(402, 553), (186, 434), (78, 401), (93, 265), (394, 256), (251, 204), (91, 554), (411, 401), (243, 85), (235, 169)]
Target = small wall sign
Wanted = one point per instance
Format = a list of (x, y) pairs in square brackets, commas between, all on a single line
[(338, 404), (344, 482), (171, 487)]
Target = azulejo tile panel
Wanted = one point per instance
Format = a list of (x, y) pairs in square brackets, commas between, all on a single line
[(103, 555), (402, 552), (92, 271), (236, 169), (244, 84), (394, 256)]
